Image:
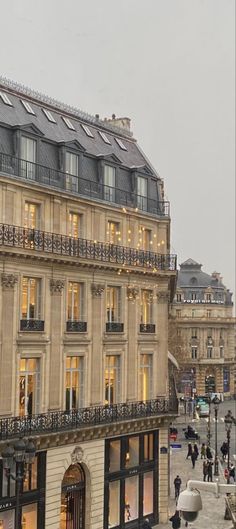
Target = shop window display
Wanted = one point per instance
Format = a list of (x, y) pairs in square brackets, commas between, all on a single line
[(131, 499), (114, 459), (29, 516), (7, 520), (147, 493), (132, 454), (114, 503)]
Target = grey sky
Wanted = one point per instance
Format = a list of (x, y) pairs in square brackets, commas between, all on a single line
[(169, 66)]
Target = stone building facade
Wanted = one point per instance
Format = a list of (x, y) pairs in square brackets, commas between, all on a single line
[(86, 279), (202, 311)]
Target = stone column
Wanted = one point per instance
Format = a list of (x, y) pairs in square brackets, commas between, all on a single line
[(97, 346), (7, 359), (56, 288), (161, 378), (132, 294)]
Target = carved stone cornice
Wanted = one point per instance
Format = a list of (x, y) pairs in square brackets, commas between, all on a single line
[(132, 293), (8, 281), (97, 289), (163, 296), (56, 286)]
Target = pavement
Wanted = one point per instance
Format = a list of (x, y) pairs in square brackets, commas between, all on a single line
[(212, 514)]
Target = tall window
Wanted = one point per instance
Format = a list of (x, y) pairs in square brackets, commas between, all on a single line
[(29, 389), (178, 297), (112, 379), (208, 297), (74, 225), (209, 352), (194, 353), (145, 239), (109, 183), (194, 332), (31, 299), (75, 301), (74, 382), (113, 300), (142, 193), (72, 170), (146, 306), (221, 351), (145, 377), (113, 232), (28, 157), (193, 296), (31, 215)]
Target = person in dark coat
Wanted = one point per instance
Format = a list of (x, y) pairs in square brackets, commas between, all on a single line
[(176, 520), (193, 458), (209, 470), (146, 524), (208, 453), (205, 469), (177, 485), (224, 450), (195, 448), (190, 450)]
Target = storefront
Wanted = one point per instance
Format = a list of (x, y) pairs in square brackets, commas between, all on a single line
[(131, 480), (32, 496)]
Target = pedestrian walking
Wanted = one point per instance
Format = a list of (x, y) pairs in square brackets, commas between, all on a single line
[(146, 524), (195, 449), (224, 450), (203, 451), (205, 469), (177, 485), (190, 450), (176, 520), (208, 453), (209, 470), (193, 459)]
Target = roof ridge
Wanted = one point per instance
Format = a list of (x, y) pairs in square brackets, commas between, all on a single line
[(73, 111)]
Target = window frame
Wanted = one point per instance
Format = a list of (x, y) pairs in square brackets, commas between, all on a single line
[(38, 304), (115, 397), (80, 307), (80, 371)]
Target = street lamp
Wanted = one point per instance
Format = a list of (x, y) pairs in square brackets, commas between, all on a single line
[(209, 422), (23, 454), (216, 403), (228, 426)]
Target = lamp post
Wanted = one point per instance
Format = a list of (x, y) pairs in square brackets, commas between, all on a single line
[(23, 455), (209, 422), (228, 426), (216, 403)]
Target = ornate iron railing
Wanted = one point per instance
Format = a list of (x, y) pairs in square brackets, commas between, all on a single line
[(147, 327), (32, 325), (54, 243), (60, 421), (80, 186), (113, 326), (76, 326)]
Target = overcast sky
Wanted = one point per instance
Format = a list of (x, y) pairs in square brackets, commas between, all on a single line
[(169, 66)]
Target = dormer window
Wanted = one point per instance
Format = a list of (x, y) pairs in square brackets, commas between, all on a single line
[(121, 144), (28, 155), (68, 123), (27, 107), (49, 115), (6, 99), (87, 131), (104, 137), (109, 183), (72, 171)]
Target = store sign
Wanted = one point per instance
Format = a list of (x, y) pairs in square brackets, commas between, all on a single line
[(5, 505), (131, 472), (216, 301), (163, 450)]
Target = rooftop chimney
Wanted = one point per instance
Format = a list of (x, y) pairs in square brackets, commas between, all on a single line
[(122, 123)]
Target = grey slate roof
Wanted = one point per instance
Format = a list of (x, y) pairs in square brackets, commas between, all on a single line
[(191, 269)]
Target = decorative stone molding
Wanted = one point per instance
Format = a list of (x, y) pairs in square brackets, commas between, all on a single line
[(163, 296), (8, 281), (97, 290), (77, 455), (56, 286), (132, 293)]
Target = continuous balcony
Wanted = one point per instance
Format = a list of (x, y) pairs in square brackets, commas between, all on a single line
[(43, 242), (62, 181), (61, 421)]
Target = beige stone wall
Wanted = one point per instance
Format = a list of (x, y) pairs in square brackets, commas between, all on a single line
[(163, 477)]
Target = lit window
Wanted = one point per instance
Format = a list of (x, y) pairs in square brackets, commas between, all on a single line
[(6, 99), (31, 299), (74, 227), (28, 107), (87, 130), (29, 386), (49, 115), (31, 216), (74, 382), (112, 379), (113, 232), (121, 144), (104, 137), (113, 304), (68, 123), (145, 239), (29, 516), (145, 376), (114, 504), (146, 306), (131, 499), (75, 302)]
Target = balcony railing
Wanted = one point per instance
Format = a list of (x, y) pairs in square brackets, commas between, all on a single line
[(147, 327), (80, 186), (113, 326), (76, 326), (56, 244), (32, 325), (60, 421)]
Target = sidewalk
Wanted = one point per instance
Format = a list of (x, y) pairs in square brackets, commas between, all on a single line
[(212, 514)]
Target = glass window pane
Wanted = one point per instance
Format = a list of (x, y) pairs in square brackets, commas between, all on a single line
[(29, 516), (114, 456), (114, 504), (147, 493), (148, 447), (132, 453), (7, 520), (30, 479), (131, 498), (112, 379)]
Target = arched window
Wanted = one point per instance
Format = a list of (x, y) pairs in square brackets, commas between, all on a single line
[(73, 498)]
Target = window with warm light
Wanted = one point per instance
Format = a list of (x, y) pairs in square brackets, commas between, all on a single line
[(113, 302), (31, 298), (74, 382), (146, 306), (74, 225), (31, 215), (113, 232), (112, 379), (29, 516), (29, 386), (145, 239), (75, 301), (145, 377)]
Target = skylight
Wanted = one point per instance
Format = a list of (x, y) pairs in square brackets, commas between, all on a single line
[(104, 137), (49, 115), (87, 131), (28, 107), (121, 144), (6, 99), (68, 123)]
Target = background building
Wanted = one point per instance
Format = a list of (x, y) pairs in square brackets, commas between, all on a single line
[(86, 279), (202, 332)]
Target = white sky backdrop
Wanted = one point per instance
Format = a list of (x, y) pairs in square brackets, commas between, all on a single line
[(169, 66)]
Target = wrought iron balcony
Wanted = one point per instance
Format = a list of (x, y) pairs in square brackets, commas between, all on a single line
[(32, 325), (147, 328), (80, 186), (56, 244), (112, 326), (76, 326), (52, 422)]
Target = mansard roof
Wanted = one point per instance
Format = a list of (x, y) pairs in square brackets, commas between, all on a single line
[(191, 276)]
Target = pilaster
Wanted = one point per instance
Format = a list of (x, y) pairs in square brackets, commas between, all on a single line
[(132, 295), (8, 282), (56, 290), (97, 290), (162, 321)]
